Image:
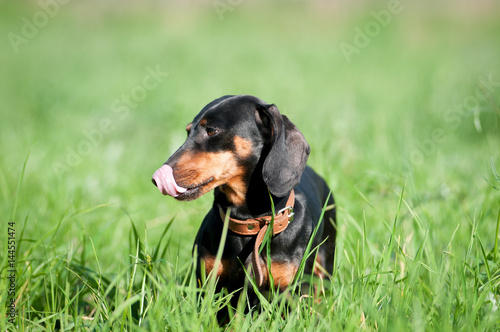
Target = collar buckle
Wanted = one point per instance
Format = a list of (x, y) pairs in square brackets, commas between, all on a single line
[(291, 214)]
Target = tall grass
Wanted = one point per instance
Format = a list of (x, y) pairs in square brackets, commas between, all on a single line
[(399, 286), (413, 170)]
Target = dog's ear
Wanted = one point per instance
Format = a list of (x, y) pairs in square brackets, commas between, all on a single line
[(287, 157)]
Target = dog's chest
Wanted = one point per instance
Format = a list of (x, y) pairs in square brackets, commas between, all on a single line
[(231, 270)]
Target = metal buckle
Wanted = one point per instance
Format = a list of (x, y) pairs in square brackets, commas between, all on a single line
[(290, 215), (284, 209)]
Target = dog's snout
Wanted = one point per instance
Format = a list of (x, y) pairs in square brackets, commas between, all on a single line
[(163, 178)]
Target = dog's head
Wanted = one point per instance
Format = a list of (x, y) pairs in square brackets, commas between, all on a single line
[(225, 143)]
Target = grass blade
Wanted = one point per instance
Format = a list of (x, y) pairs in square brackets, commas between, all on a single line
[(18, 190)]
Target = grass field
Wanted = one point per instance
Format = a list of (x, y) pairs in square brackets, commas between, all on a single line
[(398, 100)]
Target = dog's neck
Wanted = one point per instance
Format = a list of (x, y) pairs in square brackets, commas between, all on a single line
[(249, 197), (256, 205), (253, 202)]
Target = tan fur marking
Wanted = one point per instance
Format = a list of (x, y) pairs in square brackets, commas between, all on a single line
[(243, 147), (188, 127), (235, 191), (283, 274), (210, 263), (221, 167)]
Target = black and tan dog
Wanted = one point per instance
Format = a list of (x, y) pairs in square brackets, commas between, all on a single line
[(245, 149)]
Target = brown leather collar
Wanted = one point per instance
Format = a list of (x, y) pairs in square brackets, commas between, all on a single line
[(258, 226)]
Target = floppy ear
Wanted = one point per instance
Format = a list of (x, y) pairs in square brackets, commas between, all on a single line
[(287, 157)]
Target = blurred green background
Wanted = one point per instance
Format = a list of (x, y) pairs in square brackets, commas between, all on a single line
[(388, 115)]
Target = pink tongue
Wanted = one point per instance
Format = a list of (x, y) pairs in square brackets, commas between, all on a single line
[(165, 181)]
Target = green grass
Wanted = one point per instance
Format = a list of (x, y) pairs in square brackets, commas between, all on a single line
[(415, 175)]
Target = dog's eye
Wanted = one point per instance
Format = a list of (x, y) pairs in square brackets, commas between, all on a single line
[(211, 131)]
